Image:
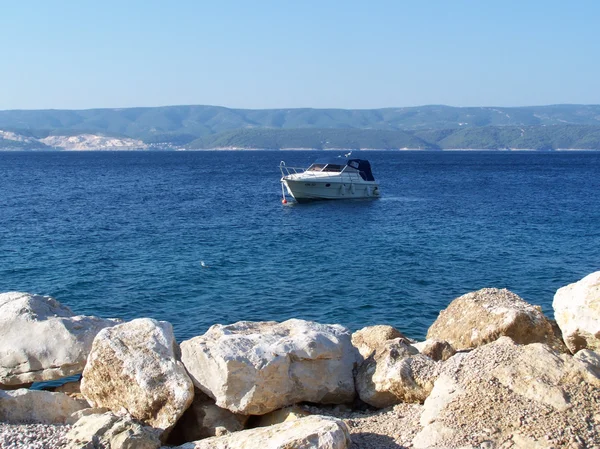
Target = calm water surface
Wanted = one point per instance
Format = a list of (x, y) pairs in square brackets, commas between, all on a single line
[(124, 235)]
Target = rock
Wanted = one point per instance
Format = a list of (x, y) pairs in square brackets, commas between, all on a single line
[(577, 312), (110, 431), (396, 373), (257, 367), (437, 350), (591, 359), (133, 366), (72, 389), (36, 406), (482, 317), (524, 393), (368, 339), (41, 339), (282, 415), (205, 419), (86, 412), (318, 432)]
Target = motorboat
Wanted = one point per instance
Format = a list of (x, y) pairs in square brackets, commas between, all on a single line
[(333, 178)]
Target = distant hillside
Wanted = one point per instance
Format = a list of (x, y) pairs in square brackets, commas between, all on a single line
[(487, 137), (312, 138), (428, 127), (9, 144)]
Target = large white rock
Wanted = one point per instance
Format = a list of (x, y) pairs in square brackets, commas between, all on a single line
[(41, 339), (37, 406), (133, 366), (577, 312), (312, 432), (257, 367), (514, 395), (481, 317), (107, 430), (396, 373)]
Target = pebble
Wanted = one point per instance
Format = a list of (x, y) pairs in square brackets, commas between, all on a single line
[(32, 436)]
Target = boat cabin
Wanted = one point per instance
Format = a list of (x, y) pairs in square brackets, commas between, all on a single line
[(338, 165)]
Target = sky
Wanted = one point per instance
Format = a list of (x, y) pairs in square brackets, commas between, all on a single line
[(288, 54)]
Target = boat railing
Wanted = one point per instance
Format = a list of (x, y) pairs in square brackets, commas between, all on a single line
[(287, 171)]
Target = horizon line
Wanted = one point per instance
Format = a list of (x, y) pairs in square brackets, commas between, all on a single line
[(296, 108)]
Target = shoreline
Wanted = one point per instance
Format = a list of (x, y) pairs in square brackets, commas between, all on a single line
[(494, 372)]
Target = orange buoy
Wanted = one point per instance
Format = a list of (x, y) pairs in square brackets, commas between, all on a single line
[(284, 201)]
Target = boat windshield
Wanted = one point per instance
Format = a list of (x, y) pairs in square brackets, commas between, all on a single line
[(316, 167), (334, 168)]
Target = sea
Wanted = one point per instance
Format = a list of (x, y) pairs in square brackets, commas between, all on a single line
[(202, 237)]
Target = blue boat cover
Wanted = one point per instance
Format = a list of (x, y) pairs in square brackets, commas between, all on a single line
[(362, 165)]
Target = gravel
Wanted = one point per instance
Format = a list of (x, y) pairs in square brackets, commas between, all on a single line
[(390, 428), (32, 436)]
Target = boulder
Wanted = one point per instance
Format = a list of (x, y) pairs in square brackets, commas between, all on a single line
[(37, 407), (396, 373), (41, 339), (481, 317), (205, 419), (368, 339), (437, 350), (133, 366), (508, 395), (577, 312), (107, 430), (257, 367), (318, 432)]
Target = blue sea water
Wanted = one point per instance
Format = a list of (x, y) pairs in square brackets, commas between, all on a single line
[(124, 234)]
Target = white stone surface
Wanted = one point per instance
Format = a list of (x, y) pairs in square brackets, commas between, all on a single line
[(577, 313), (133, 366), (41, 339), (25, 406), (312, 432), (107, 430), (437, 350), (396, 373), (368, 339), (258, 367)]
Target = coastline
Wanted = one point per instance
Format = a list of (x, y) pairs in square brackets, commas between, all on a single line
[(493, 372)]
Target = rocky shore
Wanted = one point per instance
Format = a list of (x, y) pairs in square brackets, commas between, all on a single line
[(494, 372)]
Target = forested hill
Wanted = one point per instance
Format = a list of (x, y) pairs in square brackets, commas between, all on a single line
[(484, 138), (538, 127)]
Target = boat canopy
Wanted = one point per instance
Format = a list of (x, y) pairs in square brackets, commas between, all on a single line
[(362, 165)]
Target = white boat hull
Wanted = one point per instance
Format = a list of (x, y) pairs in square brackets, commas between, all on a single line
[(311, 189)]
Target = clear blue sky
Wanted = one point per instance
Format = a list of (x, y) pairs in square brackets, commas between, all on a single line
[(277, 54)]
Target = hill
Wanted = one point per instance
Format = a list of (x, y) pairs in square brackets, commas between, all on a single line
[(488, 137), (427, 127)]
